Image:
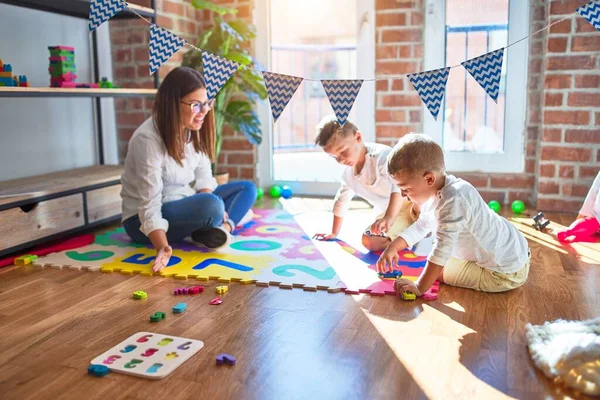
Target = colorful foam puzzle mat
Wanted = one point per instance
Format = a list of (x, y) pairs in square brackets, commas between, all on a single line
[(270, 250)]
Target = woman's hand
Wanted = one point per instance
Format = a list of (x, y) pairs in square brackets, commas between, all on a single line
[(163, 255)]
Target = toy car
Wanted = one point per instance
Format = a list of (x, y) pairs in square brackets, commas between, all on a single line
[(408, 296)]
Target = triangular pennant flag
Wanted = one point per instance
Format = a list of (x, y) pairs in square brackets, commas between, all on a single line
[(163, 44), (487, 70), (431, 86), (217, 72), (341, 95), (103, 10), (591, 12), (280, 89)]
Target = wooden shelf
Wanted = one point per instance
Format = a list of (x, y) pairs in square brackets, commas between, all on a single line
[(77, 8), (6, 91), (16, 192)]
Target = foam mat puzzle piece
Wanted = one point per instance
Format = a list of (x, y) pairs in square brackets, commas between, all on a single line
[(91, 257)]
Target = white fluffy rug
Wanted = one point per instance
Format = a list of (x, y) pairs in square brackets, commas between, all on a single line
[(568, 352)]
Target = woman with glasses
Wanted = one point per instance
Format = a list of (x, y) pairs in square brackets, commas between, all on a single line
[(168, 190)]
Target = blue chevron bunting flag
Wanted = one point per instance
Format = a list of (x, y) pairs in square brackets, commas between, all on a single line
[(163, 44), (341, 95), (280, 89), (431, 86), (591, 12), (217, 72), (103, 10), (487, 70)]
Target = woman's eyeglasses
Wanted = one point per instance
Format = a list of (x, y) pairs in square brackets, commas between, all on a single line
[(198, 107)]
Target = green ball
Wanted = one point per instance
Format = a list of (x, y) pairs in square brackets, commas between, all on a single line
[(494, 205), (259, 193), (518, 206), (275, 191)]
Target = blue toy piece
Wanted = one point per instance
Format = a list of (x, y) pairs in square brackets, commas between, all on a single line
[(391, 275), (179, 308), (97, 370), (7, 68), (286, 192)]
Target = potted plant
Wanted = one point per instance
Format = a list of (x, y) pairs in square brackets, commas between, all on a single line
[(235, 103)]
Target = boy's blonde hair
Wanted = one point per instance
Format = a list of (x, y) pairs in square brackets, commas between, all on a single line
[(329, 128), (416, 153)]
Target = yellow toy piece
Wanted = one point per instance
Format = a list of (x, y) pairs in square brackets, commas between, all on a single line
[(408, 296), (140, 295), (222, 289), (25, 259)]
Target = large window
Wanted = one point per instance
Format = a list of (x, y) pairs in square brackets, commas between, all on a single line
[(476, 133)]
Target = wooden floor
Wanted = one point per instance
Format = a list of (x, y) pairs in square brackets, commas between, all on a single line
[(289, 343)]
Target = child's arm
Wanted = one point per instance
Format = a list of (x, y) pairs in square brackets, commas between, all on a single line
[(587, 210), (429, 275), (383, 224), (407, 239)]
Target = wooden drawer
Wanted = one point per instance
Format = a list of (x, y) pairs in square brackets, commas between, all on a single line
[(46, 218), (103, 203)]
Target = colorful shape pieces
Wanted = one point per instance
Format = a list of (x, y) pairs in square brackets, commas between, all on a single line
[(139, 295), (179, 308), (98, 370), (158, 316), (25, 259), (222, 289), (225, 358), (216, 301)]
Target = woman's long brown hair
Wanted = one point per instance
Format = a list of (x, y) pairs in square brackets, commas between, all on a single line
[(167, 116)]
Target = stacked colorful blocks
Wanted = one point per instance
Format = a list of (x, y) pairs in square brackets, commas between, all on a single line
[(8, 79), (62, 67)]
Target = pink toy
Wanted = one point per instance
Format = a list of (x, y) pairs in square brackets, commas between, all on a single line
[(582, 230), (216, 301), (189, 290)]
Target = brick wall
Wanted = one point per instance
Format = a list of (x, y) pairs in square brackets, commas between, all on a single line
[(569, 149), (562, 147)]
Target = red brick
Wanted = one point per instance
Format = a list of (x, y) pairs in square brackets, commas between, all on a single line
[(390, 116), (575, 190), (244, 12), (519, 195), (597, 118), (511, 181), (133, 104), (535, 66), (531, 149), (417, 51), (124, 73), (567, 117), (583, 135), (584, 26), (532, 132), (393, 4), (477, 180), (569, 63), (566, 171), (547, 170), (222, 158), (538, 12), (588, 172), (585, 43), (536, 48), (557, 45), (401, 35), (534, 117), (553, 99), (247, 173), (125, 133), (394, 131), (577, 154), (489, 196), (144, 69), (587, 81), (552, 135), (582, 99), (239, 158), (232, 171), (416, 18), (120, 103), (530, 166), (148, 103), (561, 27), (236, 144), (598, 157), (400, 100), (396, 67), (164, 22), (122, 56), (392, 51), (415, 116), (559, 205), (565, 7), (171, 7), (397, 85), (141, 54), (548, 188), (390, 19), (381, 86), (131, 118)]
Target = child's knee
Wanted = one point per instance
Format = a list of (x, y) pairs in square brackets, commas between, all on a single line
[(374, 243)]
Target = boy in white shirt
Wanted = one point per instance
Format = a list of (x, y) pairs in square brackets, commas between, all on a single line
[(366, 176), (473, 246)]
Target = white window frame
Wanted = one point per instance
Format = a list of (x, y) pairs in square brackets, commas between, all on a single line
[(516, 57)]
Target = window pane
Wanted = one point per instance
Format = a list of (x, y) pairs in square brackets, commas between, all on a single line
[(472, 121)]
